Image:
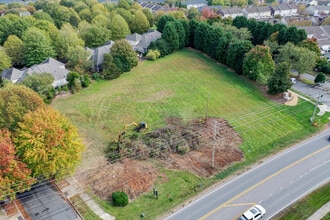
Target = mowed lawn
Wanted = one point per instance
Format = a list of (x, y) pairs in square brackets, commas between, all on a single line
[(185, 84)]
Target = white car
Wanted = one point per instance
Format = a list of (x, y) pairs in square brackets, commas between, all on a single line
[(254, 213)]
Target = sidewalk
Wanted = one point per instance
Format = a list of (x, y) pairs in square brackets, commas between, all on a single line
[(319, 214), (74, 188)]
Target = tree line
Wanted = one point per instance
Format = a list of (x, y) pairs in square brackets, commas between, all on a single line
[(249, 47)]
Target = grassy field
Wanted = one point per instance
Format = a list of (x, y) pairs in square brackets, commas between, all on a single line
[(186, 85), (305, 207)]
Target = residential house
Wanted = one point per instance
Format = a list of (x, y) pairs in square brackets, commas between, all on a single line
[(319, 2), (230, 12), (257, 12), (152, 6), (195, 3), (251, 12), (24, 13), (320, 33), (284, 10), (98, 55), (50, 65), (141, 42), (318, 10)]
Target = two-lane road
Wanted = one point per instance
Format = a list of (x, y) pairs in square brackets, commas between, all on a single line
[(275, 184)]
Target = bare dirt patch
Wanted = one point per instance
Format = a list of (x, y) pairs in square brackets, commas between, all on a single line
[(197, 137)]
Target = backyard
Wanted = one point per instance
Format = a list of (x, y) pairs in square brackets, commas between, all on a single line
[(230, 114)]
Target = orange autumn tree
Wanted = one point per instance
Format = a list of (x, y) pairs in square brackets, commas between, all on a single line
[(48, 143), (14, 175)]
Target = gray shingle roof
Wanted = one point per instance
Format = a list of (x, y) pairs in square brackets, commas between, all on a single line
[(12, 74)]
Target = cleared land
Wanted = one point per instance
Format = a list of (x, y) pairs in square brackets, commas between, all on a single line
[(189, 86)]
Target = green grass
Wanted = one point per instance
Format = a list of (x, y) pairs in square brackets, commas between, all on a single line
[(326, 217), (305, 207), (182, 85), (83, 209), (178, 187)]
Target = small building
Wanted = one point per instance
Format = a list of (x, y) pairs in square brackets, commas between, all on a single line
[(230, 12), (98, 55), (284, 10), (50, 65), (318, 10), (141, 42)]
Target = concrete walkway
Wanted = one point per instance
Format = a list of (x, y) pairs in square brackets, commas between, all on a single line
[(74, 188), (319, 214)]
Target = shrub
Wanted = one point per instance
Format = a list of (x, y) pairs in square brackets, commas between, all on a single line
[(320, 78), (326, 69), (119, 199), (85, 80), (153, 54)]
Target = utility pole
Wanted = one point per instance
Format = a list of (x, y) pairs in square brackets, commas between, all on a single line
[(317, 102), (214, 141), (207, 108)]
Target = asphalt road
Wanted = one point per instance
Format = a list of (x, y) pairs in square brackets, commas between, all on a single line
[(275, 184)]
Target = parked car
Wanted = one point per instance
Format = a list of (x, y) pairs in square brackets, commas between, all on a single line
[(293, 80), (254, 213)]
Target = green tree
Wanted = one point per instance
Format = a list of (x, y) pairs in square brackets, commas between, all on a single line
[(86, 15), (37, 46), (301, 59), (279, 80), (5, 27), (19, 26), (162, 22), (124, 56), (14, 175), (41, 84), (312, 45), (94, 35), (291, 34), (14, 49), (258, 63), (149, 16), (320, 78), (181, 33), (48, 143), (222, 48), (110, 69), (240, 21), (78, 58), (74, 82), (119, 28), (163, 47), (41, 15), (48, 28), (193, 13), (139, 23), (272, 45), (123, 4), (171, 36), (5, 61), (193, 24), (236, 53), (15, 102), (67, 37), (199, 37), (186, 29), (127, 15)]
